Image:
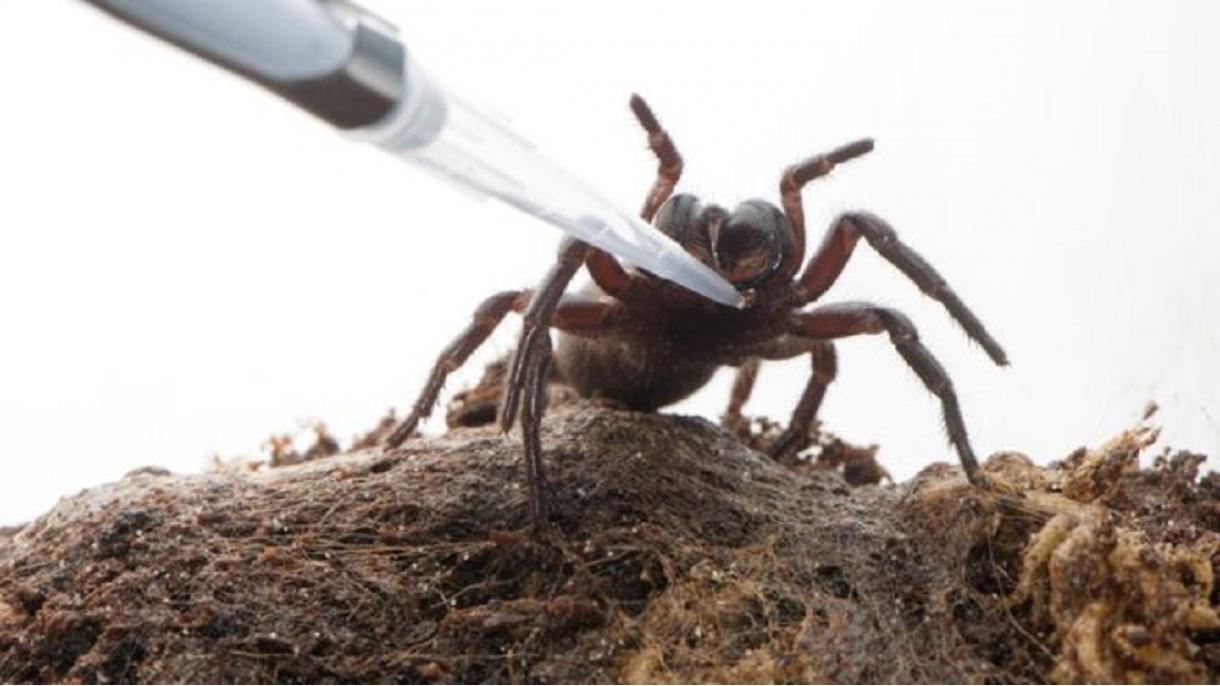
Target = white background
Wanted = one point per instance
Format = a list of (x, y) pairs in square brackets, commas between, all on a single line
[(188, 265)]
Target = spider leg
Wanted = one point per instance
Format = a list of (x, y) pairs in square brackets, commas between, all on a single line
[(748, 357), (609, 275), (531, 430), (795, 178), (527, 373), (852, 319), (831, 257), (796, 436), (538, 318), (606, 271), (575, 314), (669, 162), (825, 367), (743, 386), (526, 384), (486, 318)]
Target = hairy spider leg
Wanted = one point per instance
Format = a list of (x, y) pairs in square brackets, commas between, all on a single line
[(669, 161), (606, 271), (795, 178), (831, 257), (486, 318), (824, 360), (796, 436), (743, 387), (852, 319), (536, 325)]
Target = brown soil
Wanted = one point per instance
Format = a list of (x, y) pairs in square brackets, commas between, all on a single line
[(677, 554)]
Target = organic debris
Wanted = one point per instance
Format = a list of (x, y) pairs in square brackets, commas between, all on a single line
[(677, 554)]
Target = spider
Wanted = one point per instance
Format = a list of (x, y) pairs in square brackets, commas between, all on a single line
[(645, 342)]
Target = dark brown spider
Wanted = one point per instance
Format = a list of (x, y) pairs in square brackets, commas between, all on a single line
[(645, 342)]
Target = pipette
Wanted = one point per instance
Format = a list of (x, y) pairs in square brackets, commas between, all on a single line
[(349, 68)]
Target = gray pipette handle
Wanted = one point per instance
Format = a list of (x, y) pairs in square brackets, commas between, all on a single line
[(330, 57)]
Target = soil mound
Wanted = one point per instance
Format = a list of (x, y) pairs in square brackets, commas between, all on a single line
[(677, 554)]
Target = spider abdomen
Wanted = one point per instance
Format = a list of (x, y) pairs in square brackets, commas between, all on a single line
[(639, 377)]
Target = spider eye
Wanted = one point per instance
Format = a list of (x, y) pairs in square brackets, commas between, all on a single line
[(747, 254)]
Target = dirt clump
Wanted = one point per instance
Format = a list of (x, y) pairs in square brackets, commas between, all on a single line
[(676, 554)]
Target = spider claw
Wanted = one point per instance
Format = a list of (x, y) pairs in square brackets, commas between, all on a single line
[(788, 443), (402, 432)]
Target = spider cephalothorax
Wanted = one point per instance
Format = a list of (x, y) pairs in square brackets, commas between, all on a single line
[(645, 342)]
